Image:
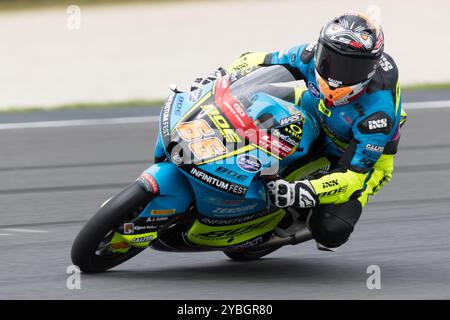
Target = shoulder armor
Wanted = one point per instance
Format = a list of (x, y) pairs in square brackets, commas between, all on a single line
[(308, 52), (386, 76)]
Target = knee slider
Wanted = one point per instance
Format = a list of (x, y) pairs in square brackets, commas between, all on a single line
[(332, 230)]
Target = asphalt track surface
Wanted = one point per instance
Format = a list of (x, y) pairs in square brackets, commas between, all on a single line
[(53, 179)]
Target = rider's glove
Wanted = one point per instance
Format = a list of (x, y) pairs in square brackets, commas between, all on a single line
[(220, 72), (285, 194)]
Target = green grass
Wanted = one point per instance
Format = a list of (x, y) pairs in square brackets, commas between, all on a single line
[(427, 86), (80, 106), (159, 102)]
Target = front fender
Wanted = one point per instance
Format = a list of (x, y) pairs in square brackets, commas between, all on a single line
[(160, 154), (174, 192)]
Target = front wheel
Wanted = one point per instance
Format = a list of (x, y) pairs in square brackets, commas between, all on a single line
[(91, 249)]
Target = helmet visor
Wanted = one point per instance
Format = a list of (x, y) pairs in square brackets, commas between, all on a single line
[(343, 70)]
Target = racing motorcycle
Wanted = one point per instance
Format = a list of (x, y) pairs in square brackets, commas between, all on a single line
[(217, 148)]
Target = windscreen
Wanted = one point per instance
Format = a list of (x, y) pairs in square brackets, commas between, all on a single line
[(267, 79), (275, 81)]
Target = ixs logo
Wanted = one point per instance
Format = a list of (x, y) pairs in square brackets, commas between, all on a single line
[(234, 232), (329, 184), (385, 64), (378, 124)]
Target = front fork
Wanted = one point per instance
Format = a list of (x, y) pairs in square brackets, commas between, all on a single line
[(173, 196)]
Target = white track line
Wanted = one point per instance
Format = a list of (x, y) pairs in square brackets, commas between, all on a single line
[(154, 119), (426, 105), (25, 230), (5, 234), (77, 123)]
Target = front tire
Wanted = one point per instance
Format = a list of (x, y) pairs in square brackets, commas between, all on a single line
[(90, 250)]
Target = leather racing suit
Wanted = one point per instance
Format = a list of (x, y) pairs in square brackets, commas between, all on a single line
[(360, 139)]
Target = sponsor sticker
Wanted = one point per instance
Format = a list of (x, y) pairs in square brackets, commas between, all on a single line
[(235, 220), (149, 183), (217, 182), (179, 105), (291, 119), (235, 210), (142, 239), (156, 219), (224, 82), (330, 184), (334, 83), (323, 109), (165, 116), (128, 228), (312, 88), (249, 163), (294, 130), (249, 243), (140, 229), (163, 211), (232, 174), (374, 148), (195, 95), (285, 138), (229, 235)]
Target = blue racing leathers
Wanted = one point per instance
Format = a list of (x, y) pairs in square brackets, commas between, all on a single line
[(363, 133)]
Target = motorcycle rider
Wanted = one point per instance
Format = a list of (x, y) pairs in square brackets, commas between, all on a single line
[(354, 92)]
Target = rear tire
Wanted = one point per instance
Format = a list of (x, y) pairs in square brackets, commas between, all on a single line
[(248, 254), (122, 208)]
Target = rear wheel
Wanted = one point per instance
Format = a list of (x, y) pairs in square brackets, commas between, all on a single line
[(91, 250), (249, 254)]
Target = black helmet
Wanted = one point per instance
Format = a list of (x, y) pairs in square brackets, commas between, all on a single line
[(347, 55)]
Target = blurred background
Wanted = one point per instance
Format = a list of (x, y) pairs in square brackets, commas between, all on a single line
[(64, 52)]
